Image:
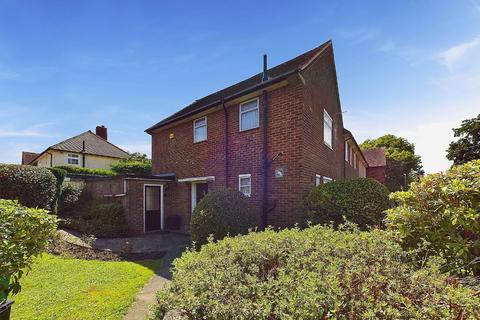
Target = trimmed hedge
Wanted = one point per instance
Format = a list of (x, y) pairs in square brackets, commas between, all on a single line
[(60, 175), (81, 170), (31, 186), (221, 213), (362, 201), (441, 215), (142, 168), (72, 198), (24, 233), (316, 273)]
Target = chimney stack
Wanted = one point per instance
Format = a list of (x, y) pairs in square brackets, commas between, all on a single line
[(101, 131)]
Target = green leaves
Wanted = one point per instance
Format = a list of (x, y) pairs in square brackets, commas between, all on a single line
[(361, 201), (442, 210), (24, 233), (467, 147), (316, 273)]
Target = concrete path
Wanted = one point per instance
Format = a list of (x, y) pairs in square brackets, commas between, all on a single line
[(146, 298)]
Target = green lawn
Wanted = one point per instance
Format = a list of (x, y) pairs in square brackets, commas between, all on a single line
[(62, 288)]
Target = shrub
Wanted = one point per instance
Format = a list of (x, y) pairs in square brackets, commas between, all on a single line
[(81, 170), (220, 213), (361, 201), (316, 273), (24, 233), (99, 218), (71, 198), (141, 168), (60, 175), (441, 214), (31, 186)]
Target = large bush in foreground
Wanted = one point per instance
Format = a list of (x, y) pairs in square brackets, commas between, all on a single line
[(223, 212), (441, 213), (360, 200), (317, 273), (24, 232), (31, 186)]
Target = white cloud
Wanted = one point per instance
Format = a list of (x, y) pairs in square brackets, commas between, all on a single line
[(28, 132), (451, 56), (142, 147), (360, 35)]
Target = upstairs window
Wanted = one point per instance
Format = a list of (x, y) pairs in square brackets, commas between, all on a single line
[(73, 158), (200, 130), (245, 184), (327, 129), (249, 115)]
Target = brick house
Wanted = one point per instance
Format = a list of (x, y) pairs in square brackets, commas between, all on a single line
[(273, 136), (377, 164)]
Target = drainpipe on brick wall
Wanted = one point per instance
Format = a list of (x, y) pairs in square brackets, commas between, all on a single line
[(83, 154), (226, 143), (266, 162)]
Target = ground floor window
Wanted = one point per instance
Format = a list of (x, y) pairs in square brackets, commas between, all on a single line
[(245, 184), (73, 158), (327, 179), (318, 180)]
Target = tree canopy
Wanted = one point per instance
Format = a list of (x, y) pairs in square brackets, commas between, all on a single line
[(467, 147), (401, 159)]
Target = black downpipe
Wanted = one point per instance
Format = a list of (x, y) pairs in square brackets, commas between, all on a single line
[(266, 162), (226, 143)]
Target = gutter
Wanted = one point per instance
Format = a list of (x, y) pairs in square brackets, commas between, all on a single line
[(225, 99)]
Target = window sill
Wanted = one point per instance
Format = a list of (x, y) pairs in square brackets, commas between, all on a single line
[(329, 146), (249, 129), (198, 142)]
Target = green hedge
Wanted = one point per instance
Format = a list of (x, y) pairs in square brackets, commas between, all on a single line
[(141, 168), (24, 233), (31, 186), (220, 213), (60, 175), (72, 198), (81, 170), (441, 215), (316, 273), (359, 200)]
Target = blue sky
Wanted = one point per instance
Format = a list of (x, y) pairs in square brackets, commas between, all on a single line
[(410, 68)]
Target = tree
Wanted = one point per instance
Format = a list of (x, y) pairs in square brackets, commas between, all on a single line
[(466, 148), (402, 162), (137, 156)]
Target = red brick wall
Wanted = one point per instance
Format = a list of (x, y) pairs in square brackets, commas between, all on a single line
[(295, 129), (378, 173)]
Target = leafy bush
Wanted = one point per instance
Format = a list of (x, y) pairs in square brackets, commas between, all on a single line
[(60, 175), (101, 219), (71, 198), (81, 170), (24, 233), (220, 213), (361, 201), (441, 213), (31, 186), (316, 273), (141, 168)]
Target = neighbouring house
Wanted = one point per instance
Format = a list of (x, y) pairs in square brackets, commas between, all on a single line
[(273, 137), (88, 150), (377, 164)]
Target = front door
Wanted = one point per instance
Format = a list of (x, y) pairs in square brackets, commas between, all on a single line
[(153, 208), (199, 190)]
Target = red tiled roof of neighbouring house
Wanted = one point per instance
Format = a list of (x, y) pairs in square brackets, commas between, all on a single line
[(375, 157), (27, 157), (274, 74)]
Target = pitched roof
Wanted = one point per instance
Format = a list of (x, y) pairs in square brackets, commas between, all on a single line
[(27, 157), (275, 74), (94, 145), (375, 157)]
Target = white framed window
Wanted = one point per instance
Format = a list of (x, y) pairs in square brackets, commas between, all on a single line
[(200, 130), (73, 158), (249, 115), (346, 151), (318, 180), (355, 160), (327, 179), (245, 184), (327, 129)]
